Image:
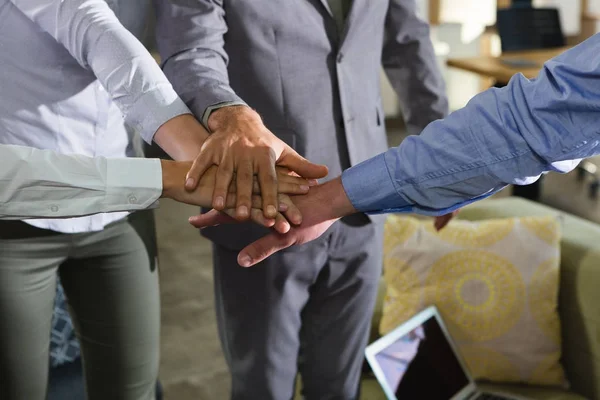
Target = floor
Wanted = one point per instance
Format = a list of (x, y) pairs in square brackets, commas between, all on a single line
[(192, 366)]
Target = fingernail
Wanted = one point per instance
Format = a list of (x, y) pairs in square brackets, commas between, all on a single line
[(189, 182), (283, 207), (304, 188), (219, 202), (271, 210), (313, 182), (245, 261), (243, 211)]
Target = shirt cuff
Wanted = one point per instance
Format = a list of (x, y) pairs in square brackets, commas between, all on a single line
[(370, 188), (214, 107), (153, 109), (133, 183)]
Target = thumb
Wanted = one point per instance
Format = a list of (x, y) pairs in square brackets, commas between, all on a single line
[(263, 248), (300, 165)]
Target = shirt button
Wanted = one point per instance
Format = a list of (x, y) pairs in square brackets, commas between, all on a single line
[(340, 57), (54, 208), (133, 199)]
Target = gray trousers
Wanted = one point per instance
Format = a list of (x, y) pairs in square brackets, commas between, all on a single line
[(111, 284), (307, 310)]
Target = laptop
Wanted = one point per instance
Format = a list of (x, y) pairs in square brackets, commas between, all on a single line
[(418, 360)]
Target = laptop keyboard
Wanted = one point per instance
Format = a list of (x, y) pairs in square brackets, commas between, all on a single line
[(489, 396)]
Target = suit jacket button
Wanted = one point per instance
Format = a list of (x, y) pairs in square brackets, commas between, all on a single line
[(340, 57)]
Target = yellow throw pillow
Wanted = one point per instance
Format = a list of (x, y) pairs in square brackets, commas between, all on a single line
[(495, 283)]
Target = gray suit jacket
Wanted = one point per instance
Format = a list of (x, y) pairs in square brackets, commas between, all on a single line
[(317, 90)]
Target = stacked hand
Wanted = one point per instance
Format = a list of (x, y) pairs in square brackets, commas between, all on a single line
[(242, 147), (245, 172), (321, 207), (173, 187), (244, 158)]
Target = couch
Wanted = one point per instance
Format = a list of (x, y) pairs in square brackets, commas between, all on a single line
[(579, 302)]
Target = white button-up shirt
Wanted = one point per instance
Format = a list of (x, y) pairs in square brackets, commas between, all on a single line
[(70, 76), (43, 183)]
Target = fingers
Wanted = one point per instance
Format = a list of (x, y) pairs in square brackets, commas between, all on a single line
[(286, 185), (211, 218), (281, 224), (223, 179), (290, 184), (244, 182), (300, 165), (199, 167), (267, 178), (263, 248), (289, 209), (441, 222), (214, 218), (257, 216)]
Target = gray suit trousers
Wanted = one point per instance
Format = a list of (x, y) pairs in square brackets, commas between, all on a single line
[(307, 310)]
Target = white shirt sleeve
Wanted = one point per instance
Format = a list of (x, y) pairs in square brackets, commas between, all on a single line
[(93, 35), (44, 184)]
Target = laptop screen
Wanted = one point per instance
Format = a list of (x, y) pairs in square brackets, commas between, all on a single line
[(422, 364)]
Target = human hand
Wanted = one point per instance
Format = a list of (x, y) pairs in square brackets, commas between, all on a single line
[(320, 208), (174, 177), (440, 222), (241, 145)]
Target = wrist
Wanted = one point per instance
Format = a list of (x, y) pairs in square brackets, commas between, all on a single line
[(173, 177), (167, 178), (181, 137), (334, 196), (223, 116)]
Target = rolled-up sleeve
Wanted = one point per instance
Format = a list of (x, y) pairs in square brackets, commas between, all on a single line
[(93, 35)]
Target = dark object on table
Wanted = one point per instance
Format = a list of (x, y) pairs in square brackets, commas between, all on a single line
[(524, 28)]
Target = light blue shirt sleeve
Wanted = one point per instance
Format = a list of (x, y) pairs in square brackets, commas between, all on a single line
[(92, 34), (503, 136)]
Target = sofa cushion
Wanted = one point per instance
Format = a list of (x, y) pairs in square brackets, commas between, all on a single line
[(371, 390), (532, 392), (495, 283), (579, 300)]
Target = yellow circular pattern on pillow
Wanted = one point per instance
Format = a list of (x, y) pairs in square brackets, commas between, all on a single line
[(544, 228), (543, 298), (474, 235), (398, 230), (481, 292), (402, 297)]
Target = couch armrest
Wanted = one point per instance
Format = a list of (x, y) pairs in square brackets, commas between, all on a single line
[(579, 302)]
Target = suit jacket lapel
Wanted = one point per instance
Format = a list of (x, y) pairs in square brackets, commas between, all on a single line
[(326, 5), (351, 18)]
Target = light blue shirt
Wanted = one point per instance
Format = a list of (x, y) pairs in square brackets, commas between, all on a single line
[(503, 136)]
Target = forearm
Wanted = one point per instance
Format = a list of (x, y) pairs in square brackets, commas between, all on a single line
[(92, 34), (505, 136), (181, 137)]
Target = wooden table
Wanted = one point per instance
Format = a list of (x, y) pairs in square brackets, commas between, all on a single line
[(493, 67)]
